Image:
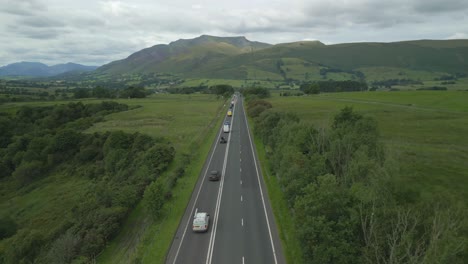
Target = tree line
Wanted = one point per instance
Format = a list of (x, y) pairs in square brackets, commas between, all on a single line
[(344, 201), (118, 166), (101, 92), (331, 86)]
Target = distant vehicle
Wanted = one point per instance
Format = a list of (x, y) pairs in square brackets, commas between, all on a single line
[(226, 128), (222, 140), (200, 222), (227, 122), (229, 112), (214, 176)]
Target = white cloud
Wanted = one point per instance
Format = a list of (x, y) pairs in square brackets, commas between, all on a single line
[(458, 35), (97, 32)]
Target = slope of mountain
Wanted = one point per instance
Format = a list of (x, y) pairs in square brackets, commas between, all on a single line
[(433, 56), (182, 55), (239, 58), (40, 69)]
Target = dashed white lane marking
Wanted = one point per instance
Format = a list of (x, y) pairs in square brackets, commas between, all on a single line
[(241, 182), (242, 221), (261, 190), (240, 169), (243, 261), (241, 199)]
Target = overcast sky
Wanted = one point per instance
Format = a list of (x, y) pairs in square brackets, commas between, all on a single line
[(94, 32)]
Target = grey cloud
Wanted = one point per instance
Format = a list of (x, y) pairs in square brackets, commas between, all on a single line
[(87, 21), (101, 31), (41, 22), (22, 7), (41, 34), (437, 6)]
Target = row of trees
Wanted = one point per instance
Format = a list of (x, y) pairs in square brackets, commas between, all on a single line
[(255, 92), (223, 90), (325, 71), (391, 82), (101, 92), (344, 202), (117, 166), (331, 86)]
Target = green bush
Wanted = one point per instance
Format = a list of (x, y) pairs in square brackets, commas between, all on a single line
[(154, 198), (8, 227), (28, 172), (24, 247)]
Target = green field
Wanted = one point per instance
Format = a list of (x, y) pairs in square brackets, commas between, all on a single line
[(424, 131), (186, 120)]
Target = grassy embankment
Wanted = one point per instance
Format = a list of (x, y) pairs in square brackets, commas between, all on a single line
[(423, 131)]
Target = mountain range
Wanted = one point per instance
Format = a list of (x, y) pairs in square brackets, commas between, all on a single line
[(239, 58), (37, 69)]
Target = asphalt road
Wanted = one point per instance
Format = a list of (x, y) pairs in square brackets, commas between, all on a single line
[(242, 227)]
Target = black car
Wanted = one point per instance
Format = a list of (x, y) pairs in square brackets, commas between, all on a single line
[(222, 140), (214, 176)]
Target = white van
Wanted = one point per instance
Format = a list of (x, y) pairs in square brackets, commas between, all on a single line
[(201, 222), (226, 128)]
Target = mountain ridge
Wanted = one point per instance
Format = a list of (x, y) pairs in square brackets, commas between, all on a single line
[(239, 58), (38, 69), (182, 54)]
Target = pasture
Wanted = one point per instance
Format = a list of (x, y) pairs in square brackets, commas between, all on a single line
[(424, 131)]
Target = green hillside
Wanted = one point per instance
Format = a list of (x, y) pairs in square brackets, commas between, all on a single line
[(423, 62), (182, 56), (429, 56)]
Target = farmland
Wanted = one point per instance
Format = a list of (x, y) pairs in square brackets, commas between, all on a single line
[(424, 131)]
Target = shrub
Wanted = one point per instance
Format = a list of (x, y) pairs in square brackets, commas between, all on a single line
[(28, 172), (154, 198), (7, 227)]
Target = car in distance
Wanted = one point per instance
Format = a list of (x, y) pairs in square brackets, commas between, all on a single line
[(214, 175), (229, 113), (201, 221), (222, 140)]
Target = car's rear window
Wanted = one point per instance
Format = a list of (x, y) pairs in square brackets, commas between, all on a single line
[(199, 221)]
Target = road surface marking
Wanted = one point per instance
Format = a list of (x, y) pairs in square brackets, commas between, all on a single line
[(209, 255), (242, 221), (240, 169), (241, 182), (196, 198), (243, 262), (261, 191), (241, 199)]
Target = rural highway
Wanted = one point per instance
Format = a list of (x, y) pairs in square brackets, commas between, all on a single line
[(242, 227)]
